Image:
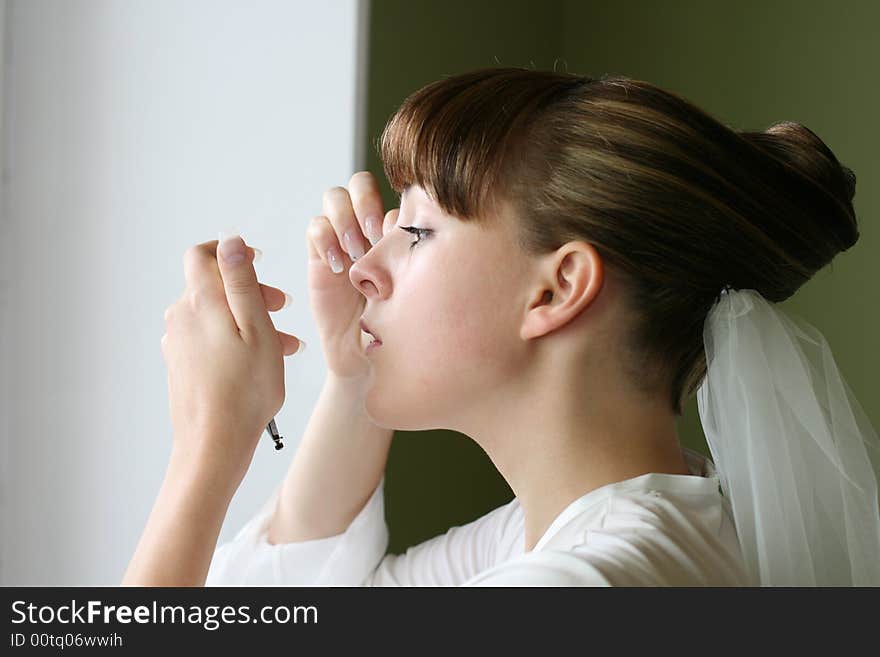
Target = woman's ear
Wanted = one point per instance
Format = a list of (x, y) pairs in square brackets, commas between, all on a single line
[(567, 282)]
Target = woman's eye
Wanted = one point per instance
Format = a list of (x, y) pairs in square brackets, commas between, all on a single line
[(421, 233)]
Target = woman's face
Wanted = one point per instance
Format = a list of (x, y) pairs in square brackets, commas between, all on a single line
[(448, 311)]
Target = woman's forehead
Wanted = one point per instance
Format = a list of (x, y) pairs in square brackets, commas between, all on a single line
[(417, 199), (420, 204), (414, 193)]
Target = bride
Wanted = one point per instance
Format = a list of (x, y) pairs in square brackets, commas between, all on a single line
[(572, 259)]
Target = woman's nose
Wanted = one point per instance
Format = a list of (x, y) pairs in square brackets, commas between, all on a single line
[(366, 274)]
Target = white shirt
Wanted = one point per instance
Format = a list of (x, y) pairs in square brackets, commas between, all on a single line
[(656, 529)]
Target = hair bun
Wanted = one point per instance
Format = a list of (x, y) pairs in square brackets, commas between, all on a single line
[(800, 149)]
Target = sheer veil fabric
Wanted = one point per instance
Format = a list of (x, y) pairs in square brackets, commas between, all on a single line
[(794, 451)]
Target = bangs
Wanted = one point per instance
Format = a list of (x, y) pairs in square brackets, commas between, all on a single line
[(460, 138)]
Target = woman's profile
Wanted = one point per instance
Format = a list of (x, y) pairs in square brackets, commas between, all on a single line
[(562, 247)]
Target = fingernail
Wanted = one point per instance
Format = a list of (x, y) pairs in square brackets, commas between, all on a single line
[(287, 300), (231, 246), (302, 347), (374, 231), (335, 260), (257, 254), (353, 245)]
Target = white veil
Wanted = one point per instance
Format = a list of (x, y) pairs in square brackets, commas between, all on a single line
[(795, 454)]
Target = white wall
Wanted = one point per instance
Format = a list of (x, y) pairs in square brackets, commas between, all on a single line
[(133, 129)]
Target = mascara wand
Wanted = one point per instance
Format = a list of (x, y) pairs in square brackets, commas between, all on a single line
[(273, 431)]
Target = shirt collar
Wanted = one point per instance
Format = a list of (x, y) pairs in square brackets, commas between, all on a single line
[(703, 480)]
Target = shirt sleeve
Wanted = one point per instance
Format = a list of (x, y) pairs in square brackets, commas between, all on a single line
[(357, 556), (346, 559)]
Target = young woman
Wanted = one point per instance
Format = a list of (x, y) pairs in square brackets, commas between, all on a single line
[(571, 260)]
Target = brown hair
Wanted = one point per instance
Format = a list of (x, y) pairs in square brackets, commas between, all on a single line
[(676, 202)]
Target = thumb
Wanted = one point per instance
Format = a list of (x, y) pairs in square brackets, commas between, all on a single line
[(243, 292)]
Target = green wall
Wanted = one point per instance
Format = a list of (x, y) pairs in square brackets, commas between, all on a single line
[(750, 64)]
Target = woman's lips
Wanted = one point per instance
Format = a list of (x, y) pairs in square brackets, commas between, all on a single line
[(366, 329), (369, 340)]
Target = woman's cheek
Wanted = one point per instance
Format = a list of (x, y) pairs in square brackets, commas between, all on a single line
[(417, 389)]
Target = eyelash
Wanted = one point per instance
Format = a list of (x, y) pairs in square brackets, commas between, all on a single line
[(421, 233)]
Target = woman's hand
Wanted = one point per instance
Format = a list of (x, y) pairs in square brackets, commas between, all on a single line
[(336, 304), (225, 362)]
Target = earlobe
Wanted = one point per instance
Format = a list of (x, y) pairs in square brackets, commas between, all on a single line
[(576, 277)]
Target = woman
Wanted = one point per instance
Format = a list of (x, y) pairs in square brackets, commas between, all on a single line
[(566, 252)]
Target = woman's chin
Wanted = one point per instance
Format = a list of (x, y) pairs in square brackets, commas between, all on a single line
[(389, 411), (374, 406)]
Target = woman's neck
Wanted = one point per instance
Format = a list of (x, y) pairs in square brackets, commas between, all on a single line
[(557, 445)]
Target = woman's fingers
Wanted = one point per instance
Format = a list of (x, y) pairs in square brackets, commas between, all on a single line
[(390, 220), (366, 199), (338, 208), (323, 244), (322, 241), (274, 298), (351, 223), (289, 344)]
